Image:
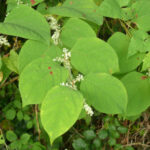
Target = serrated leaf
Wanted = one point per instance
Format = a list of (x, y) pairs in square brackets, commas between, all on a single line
[(25, 22), (38, 78), (84, 9), (105, 93), (120, 43), (94, 55), (60, 110), (32, 50), (138, 88), (75, 29)]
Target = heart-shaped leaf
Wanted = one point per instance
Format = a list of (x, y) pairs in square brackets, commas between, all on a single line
[(60, 110)]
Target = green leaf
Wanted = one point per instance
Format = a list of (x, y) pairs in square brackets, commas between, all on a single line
[(110, 8), (28, 2), (140, 42), (11, 4), (2, 140), (19, 115), (79, 144), (138, 88), (89, 134), (38, 78), (94, 55), (32, 50), (112, 141), (122, 130), (120, 43), (105, 93), (97, 143), (141, 14), (116, 9), (12, 61), (84, 9), (11, 136), (103, 134), (10, 114), (25, 22), (60, 110), (146, 62), (25, 138), (75, 29), (5, 72)]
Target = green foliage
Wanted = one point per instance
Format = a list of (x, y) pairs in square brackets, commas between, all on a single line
[(101, 72), (80, 30), (67, 105), (101, 91), (141, 83), (16, 26), (85, 9), (89, 55)]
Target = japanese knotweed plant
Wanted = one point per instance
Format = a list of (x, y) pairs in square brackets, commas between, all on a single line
[(73, 69)]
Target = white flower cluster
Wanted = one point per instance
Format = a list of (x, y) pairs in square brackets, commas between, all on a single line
[(54, 26), (88, 109), (4, 41), (65, 58), (72, 83)]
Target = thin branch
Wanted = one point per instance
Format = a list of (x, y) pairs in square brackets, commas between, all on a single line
[(9, 82), (125, 28), (136, 144), (108, 26), (37, 120)]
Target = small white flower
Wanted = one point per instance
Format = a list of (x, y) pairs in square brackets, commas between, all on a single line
[(3, 41), (88, 109), (54, 26)]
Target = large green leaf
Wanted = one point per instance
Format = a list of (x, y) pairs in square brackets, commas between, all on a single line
[(85, 9), (138, 89), (111, 8), (117, 9), (60, 110), (94, 55), (120, 43), (140, 42), (25, 22), (105, 93), (141, 14), (38, 78), (32, 50), (75, 29)]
